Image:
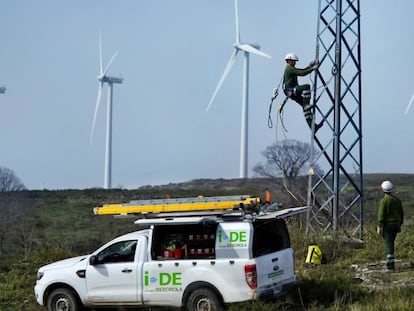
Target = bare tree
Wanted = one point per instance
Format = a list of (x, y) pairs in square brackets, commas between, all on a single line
[(12, 208), (9, 181), (285, 163)]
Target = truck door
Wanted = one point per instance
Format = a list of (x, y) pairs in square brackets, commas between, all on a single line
[(114, 274)]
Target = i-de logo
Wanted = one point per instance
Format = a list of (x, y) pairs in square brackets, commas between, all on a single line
[(165, 279), (233, 236)]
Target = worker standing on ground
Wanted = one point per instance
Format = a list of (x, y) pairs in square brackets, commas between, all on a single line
[(390, 219), (299, 93)]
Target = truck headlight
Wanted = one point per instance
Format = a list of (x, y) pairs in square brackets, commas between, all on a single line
[(39, 275)]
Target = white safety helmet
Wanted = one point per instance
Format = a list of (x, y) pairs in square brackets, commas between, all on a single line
[(291, 56), (387, 186)]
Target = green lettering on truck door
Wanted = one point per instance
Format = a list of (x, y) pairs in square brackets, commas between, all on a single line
[(167, 279)]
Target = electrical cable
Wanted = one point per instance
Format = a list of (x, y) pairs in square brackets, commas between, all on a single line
[(284, 131)]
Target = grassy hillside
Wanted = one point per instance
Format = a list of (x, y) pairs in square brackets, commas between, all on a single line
[(39, 227)]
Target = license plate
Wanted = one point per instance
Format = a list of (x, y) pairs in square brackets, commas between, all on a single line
[(276, 290)]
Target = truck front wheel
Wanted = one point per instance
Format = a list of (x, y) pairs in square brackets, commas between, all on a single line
[(204, 299), (63, 299)]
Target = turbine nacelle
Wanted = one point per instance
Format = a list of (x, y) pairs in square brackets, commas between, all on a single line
[(2, 89), (238, 45), (250, 48), (109, 79)]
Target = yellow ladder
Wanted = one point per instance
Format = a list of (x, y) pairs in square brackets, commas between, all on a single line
[(199, 203)]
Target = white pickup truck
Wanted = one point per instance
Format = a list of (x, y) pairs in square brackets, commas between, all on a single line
[(192, 263)]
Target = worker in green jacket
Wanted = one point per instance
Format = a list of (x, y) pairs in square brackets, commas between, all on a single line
[(299, 93), (390, 219)]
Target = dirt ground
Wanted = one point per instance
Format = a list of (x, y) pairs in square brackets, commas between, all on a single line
[(373, 275)]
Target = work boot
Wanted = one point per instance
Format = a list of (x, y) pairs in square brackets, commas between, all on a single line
[(318, 126), (390, 263)]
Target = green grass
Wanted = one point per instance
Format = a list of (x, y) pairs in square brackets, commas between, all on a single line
[(61, 224)]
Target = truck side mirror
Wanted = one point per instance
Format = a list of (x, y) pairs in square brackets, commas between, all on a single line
[(93, 260)]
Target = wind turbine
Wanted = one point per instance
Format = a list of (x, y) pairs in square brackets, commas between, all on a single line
[(2, 89), (246, 48), (409, 104), (104, 78)]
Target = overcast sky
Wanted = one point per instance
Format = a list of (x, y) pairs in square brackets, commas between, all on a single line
[(171, 56)]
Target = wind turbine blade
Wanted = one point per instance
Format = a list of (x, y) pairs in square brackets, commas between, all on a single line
[(409, 104), (98, 101), (110, 62), (223, 77), (236, 14), (250, 49), (100, 54)]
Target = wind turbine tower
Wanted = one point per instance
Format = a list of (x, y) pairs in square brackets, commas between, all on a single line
[(104, 78), (246, 48)]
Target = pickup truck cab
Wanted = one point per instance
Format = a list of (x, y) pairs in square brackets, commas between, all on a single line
[(193, 263)]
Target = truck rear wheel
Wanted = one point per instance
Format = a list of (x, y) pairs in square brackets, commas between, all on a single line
[(204, 299), (63, 299)]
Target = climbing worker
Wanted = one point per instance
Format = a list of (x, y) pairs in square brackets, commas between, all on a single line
[(390, 219), (299, 93)]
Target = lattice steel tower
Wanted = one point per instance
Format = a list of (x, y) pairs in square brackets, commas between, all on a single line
[(336, 194)]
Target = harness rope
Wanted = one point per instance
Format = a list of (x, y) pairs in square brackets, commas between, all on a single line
[(284, 179), (284, 131)]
